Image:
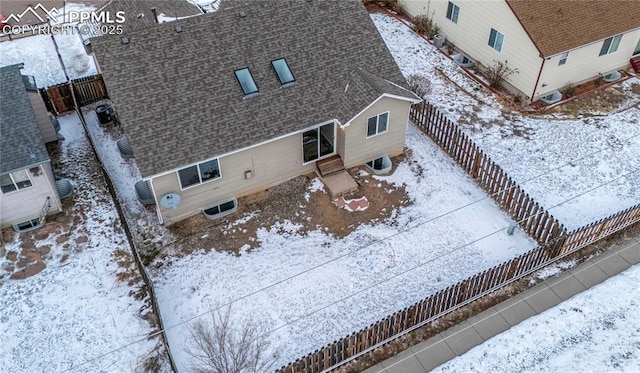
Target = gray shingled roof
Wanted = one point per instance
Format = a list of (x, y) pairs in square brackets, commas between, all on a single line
[(138, 13), (21, 143), (178, 98)]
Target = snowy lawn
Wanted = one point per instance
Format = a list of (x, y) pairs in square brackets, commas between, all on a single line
[(286, 286), (40, 59), (596, 330), (597, 183), (76, 309)]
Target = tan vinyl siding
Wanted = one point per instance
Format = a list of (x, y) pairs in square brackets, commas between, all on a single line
[(25, 204), (280, 160), (270, 163), (585, 64), (471, 35), (359, 149), (42, 117)]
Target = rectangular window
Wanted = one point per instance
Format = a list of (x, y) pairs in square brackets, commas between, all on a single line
[(637, 50), (610, 45), (282, 70), (563, 58), (378, 124), (245, 79), (15, 181), (495, 40), (452, 12), (200, 173)]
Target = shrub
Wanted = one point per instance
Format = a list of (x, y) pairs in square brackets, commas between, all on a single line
[(419, 84), (499, 71), (599, 80), (422, 24), (451, 47), (570, 90)]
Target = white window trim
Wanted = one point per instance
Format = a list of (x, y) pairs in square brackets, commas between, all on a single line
[(495, 41), (455, 12), (335, 136), (609, 51), (199, 174), (366, 129), (563, 59), (26, 171)]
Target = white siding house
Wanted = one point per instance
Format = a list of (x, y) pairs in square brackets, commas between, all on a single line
[(552, 43), (27, 187)]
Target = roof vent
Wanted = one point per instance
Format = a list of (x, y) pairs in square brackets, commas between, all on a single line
[(125, 40), (242, 14), (178, 28), (155, 14), (139, 15)]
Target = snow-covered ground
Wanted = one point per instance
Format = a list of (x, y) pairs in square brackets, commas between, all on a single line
[(597, 330), (75, 309), (303, 306), (369, 274), (528, 146), (306, 289), (41, 60)]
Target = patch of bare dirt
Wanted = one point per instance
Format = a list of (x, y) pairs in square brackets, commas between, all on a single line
[(605, 100), (287, 201)]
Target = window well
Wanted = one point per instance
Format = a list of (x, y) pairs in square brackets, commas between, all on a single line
[(246, 81), (282, 69), (220, 210)]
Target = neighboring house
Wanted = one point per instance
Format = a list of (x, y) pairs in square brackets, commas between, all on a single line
[(226, 104), (552, 43), (28, 189)]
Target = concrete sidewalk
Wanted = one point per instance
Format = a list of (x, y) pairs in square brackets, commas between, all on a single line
[(461, 338)]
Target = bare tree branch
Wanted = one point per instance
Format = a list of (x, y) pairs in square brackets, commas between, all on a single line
[(222, 344)]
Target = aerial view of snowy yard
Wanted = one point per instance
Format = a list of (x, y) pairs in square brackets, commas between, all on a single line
[(310, 288), (308, 284), (573, 338), (79, 306), (588, 160)]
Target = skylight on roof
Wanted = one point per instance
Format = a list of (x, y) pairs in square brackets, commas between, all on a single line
[(282, 69), (245, 79)]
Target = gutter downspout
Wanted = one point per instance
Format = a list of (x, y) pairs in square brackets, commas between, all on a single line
[(535, 87)]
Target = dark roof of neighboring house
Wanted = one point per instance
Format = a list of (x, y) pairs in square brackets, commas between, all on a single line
[(557, 26), (21, 143), (178, 98), (138, 13)]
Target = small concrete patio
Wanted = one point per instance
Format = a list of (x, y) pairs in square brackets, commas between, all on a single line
[(339, 184)]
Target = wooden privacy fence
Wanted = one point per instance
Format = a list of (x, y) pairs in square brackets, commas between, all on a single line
[(86, 90), (532, 218), (600, 229), (554, 244), (89, 89), (455, 296), (60, 98)]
